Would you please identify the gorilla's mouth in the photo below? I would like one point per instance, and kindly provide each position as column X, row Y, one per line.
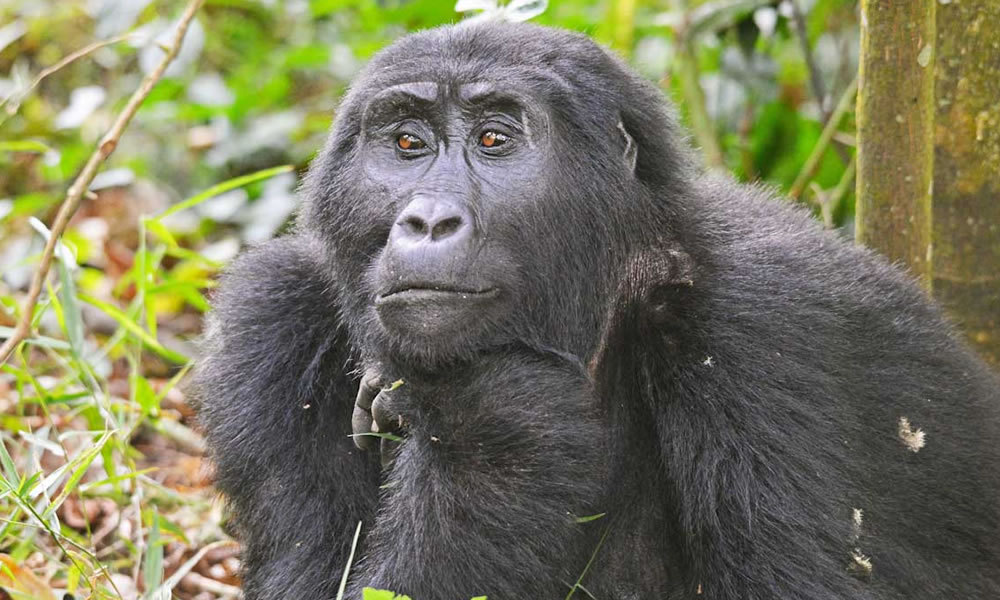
column 436, row 312
column 411, row 293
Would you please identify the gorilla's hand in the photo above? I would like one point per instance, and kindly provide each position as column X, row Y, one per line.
column 375, row 415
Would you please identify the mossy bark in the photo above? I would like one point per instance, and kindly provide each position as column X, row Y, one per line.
column 895, row 131
column 967, row 169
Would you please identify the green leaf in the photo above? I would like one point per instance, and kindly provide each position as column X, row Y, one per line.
column 79, row 466
column 40, row 340
column 134, row 329
column 116, row 479
column 173, row 529
column 72, row 317
column 152, row 568
column 373, row 594
column 9, row 470
column 160, row 230
column 225, row 186
column 143, row 395
column 590, row 518
column 24, row 146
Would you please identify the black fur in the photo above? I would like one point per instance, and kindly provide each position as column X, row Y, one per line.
column 762, row 409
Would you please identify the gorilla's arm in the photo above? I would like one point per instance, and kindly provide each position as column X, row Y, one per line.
column 500, row 460
column 275, row 405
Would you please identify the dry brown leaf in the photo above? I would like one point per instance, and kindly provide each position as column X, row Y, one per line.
column 23, row 581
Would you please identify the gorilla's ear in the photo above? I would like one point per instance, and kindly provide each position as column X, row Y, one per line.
column 631, row 153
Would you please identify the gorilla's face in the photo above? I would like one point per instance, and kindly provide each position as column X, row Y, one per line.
column 461, row 167
column 478, row 190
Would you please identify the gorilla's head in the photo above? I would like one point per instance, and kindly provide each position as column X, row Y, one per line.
column 484, row 185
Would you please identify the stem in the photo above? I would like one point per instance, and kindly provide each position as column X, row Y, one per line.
column 812, row 163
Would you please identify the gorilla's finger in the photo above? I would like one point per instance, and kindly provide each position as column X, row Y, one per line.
column 383, row 414
column 361, row 423
column 370, row 386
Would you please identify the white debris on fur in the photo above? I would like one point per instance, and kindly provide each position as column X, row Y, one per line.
column 861, row 562
column 913, row 439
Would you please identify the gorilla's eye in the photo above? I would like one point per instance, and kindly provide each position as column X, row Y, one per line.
column 492, row 139
column 409, row 142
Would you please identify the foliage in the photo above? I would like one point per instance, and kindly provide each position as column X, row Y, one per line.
column 102, row 489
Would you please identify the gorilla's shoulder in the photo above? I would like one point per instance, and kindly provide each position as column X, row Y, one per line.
column 277, row 292
column 274, row 316
column 277, row 275
column 751, row 226
column 772, row 258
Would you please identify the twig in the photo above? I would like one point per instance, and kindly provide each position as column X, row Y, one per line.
column 829, row 200
column 204, row 583
column 815, row 77
column 843, row 185
column 685, row 68
column 212, row 586
column 68, row 59
column 104, row 149
column 686, row 65
column 846, row 101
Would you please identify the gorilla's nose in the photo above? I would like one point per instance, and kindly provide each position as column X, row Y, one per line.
column 429, row 224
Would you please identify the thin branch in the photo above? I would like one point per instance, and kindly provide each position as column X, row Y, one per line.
column 76, row 191
column 686, row 69
column 686, row 64
column 815, row 77
column 67, row 60
column 207, row 584
column 844, row 185
column 812, row 163
column 829, row 200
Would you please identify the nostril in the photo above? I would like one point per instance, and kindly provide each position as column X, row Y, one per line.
column 414, row 225
column 446, row 227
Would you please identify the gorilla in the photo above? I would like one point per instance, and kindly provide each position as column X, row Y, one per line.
column 535, row 351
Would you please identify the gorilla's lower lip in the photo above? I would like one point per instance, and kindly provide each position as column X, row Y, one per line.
column 434, row 313
column 427, row 294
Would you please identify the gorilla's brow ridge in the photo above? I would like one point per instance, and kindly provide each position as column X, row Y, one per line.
column 404, row 97
column 481, row 92
column 423, row 94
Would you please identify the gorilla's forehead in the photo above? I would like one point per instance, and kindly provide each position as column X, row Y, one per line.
column 465, row 55
column 428, row 93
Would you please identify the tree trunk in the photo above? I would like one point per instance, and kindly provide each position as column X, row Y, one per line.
column 967, row 169
column 895, row 131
